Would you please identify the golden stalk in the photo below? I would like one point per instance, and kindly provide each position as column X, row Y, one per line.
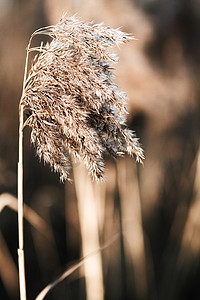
column 21, row 261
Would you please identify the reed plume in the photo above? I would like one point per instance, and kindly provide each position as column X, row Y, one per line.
column 75, row 108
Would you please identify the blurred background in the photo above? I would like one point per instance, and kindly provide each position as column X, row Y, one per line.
column 145, row 219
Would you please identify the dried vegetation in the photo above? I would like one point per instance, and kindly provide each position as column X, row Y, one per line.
column 75, row 107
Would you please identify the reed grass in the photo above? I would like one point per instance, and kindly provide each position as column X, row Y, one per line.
column 75, row 109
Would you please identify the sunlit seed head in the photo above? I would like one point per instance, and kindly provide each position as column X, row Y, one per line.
column 76, row 109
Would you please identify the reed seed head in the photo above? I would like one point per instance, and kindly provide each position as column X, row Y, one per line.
column 76, row 110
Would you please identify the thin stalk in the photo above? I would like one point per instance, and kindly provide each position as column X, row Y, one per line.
column 22, row 281
column 21, row 261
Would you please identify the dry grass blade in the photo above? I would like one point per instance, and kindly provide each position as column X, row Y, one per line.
column 30, row 215
column 76, row 110
column 70, row 270
column 8, row 269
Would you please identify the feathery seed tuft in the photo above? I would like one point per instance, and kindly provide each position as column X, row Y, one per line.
column 76, row 109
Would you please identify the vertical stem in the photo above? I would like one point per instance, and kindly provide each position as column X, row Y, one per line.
column 90, row 235
column 22, row 282
column 21, row 263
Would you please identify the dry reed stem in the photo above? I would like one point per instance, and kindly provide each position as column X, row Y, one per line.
column 132, row 223
column 21, row 263
column 190, row 243
column 88, row 218
column 22, row 281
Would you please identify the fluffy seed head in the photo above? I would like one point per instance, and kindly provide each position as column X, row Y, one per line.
column 76, row 110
